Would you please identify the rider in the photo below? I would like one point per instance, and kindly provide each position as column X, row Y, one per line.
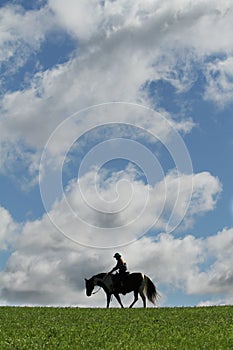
column 122, row 270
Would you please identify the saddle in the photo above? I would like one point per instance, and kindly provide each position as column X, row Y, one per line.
column 119, row 281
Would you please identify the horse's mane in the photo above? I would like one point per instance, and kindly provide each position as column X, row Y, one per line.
column 101, row 275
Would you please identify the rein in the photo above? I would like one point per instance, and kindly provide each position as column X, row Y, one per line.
column 100, row 286
column 96, row 291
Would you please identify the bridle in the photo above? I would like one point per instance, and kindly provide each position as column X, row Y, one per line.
column 100, row 286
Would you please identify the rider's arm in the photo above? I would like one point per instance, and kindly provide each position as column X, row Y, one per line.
column 114, row 268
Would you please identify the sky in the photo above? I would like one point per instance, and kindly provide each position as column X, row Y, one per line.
column 116, row 136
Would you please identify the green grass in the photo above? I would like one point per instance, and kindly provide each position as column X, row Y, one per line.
column 70, row 328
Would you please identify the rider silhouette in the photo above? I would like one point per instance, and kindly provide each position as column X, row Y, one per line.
column 122, row 270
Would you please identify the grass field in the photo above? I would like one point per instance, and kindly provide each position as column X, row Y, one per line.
column 74, row 328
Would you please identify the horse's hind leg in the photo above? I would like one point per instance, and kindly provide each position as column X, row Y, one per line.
column 135, row 298
column 108, row 299
column 143, row 298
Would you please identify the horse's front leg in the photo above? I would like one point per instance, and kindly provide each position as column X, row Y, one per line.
column 117, row 296
column 108, row 299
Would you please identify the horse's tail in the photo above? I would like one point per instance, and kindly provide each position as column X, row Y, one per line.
column 151, row 291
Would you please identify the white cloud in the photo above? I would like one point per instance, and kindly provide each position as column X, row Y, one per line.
column 8, row 229
column 206, row 191
column 194, row 266
column 133, row 43
column 227, row 300
column 81, row 18
column 121, row 45
column 168, row 260
column 218, row 277
column 48, row 268
column 155, row 21
column 22, row 32
column 219, row 81
column 125, row 208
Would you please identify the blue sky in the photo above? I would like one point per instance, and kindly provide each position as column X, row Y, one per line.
column 116, row 134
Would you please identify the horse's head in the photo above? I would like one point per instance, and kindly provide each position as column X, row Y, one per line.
column 89, row 286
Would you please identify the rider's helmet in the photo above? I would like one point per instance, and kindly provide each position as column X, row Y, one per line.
column 117, row 255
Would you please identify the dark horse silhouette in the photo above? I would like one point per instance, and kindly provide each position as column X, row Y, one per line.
column 135, row 282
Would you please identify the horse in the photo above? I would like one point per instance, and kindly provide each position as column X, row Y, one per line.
column 135, row 282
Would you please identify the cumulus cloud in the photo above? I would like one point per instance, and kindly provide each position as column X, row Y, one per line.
column 219, row 81
column 142, row 42
column 52, row 274
column 196, row 266
column 48, row 268
column 227, row 300
column 122, row 202
column 217, row 279
column 8, row 229
column 22, row 32
column 121, row 47
column 155, row 21
column 82, row 19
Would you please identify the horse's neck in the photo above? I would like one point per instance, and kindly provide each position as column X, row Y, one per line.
column 103, row 280
column 99, row 278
